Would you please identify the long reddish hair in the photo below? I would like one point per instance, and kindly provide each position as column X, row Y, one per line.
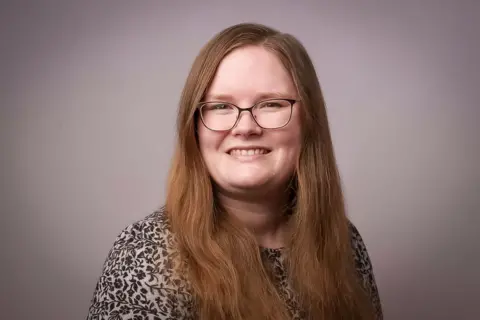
column 221, row 259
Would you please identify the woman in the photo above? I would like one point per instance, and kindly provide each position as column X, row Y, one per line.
column 254, row 225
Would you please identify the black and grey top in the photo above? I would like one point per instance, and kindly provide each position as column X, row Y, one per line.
column 138, row 282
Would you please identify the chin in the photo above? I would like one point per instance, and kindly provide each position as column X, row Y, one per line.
column 250, row 186
column 247, row 184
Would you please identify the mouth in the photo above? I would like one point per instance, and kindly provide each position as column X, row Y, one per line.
column 253, row 152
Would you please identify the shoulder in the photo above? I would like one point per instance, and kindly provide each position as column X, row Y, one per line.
column 362, row 258
column 364, row 268
column 145, row 244
column 138, row 278
column 154, row 229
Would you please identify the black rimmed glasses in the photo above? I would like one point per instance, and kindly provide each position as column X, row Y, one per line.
column 268, row 114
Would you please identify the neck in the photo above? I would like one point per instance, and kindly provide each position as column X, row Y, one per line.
column 265, row 217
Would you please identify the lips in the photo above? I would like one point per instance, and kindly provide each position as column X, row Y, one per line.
column 248, row 152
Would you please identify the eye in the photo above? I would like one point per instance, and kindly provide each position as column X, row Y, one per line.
column 218, row 106
column 215, row 106
column 272, row 104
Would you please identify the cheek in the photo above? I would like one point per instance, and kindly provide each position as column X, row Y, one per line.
column 209, row 141
column 296, row 134
column 293, row 138
column 294, row 152
column 291, row 143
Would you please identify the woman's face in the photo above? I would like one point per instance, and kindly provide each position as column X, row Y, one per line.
column 249, row 158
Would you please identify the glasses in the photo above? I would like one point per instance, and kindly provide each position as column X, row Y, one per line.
column 267, row 114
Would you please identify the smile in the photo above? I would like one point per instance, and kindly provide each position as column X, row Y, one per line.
column 248, row 152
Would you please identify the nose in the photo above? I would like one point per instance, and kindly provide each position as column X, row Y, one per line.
column 246, row 125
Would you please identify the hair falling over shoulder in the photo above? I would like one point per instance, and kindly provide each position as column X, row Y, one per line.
column 220, row 258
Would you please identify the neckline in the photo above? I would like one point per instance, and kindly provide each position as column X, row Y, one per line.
column 273, row 250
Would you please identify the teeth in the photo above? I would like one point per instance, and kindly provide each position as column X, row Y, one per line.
column 249, row 152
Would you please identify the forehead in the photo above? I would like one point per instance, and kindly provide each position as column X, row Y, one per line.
column 249, row 73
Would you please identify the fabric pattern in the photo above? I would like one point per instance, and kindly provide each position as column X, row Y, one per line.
column 138, row 281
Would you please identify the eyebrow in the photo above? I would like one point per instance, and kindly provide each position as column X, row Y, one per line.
column 257, row 97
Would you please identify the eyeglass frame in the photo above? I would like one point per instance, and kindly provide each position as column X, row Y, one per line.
column 292, row 102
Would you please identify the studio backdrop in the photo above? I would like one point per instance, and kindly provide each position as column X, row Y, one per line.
column 89, row 93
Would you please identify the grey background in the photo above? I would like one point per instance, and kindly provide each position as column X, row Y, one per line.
column 88, row 100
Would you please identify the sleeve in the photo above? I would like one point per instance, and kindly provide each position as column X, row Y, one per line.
column 136, row 281
column 364, row 269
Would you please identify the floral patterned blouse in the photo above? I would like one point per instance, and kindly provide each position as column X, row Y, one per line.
column 138, row 282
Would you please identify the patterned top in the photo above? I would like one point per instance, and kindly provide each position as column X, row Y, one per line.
column 138, row 282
